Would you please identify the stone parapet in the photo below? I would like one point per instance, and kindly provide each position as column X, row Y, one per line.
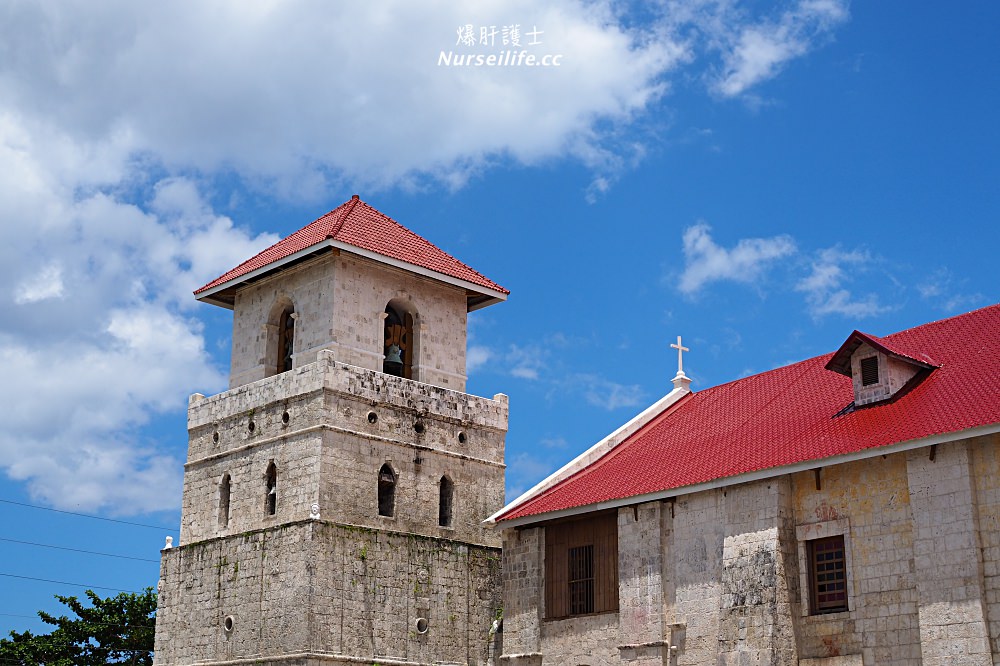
column 327, row 373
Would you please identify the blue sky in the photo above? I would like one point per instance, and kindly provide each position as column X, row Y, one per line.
column 759, row 178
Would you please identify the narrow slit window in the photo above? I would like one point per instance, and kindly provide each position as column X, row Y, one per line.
column 224, row 490
column 447, row 492
column 386, row 491
column 286, row 340
column 828, row 573
column 869, row 371
column 271, row 484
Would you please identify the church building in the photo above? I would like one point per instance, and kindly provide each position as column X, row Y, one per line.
column 839, row 511
column 335, row 496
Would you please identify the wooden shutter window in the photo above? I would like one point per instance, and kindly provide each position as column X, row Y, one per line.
column 869, row 371
column 581, row 566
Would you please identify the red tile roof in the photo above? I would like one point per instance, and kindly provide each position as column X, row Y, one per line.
column 357, row 224
column 792, row 415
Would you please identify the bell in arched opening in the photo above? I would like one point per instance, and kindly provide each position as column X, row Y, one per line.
column 398, row 348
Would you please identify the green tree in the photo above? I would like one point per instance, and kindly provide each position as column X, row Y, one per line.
column 116, row 630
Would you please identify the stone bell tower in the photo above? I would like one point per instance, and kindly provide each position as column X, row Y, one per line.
column 334, row 495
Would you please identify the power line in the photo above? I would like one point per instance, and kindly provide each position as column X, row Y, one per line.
column 63, row 582
column 102, row 624
column 78, row 550
column 87, row 515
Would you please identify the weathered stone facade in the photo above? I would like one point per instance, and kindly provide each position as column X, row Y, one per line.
column 339, row 301
column 720, row 576
column 285, row 556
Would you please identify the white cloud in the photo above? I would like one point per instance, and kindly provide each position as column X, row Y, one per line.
column 477, row 357
column 757, row 51
column 76, row 405
column 525, row 362
column 285, row 94
column 824, row 290
column 47, row 283
column 97, row 342
column 606, row 394
column 948, row 292
column 705, row 261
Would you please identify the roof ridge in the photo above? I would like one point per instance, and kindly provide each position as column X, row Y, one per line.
column 335, row 229
column 943, row 320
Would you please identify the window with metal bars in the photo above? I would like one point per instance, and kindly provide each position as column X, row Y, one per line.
column 869, row 371
column 581, row 566
column 828, row 575
column 581, row 579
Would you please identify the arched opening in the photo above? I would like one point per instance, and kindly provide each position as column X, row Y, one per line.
column 224, row 488
column 398, row 343
column 271, row 485
column 386, row 491
column 280, row 344
column 446, row 492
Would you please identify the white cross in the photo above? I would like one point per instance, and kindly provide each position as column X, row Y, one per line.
column 680, row 355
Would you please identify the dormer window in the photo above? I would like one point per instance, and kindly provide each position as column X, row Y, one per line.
column 869, row 371
column 878, row 370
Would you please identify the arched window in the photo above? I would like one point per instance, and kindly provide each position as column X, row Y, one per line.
column 271, row 484
column 286, row 340
column 446, row 497
column 398, row 343
column 224, row 487
column 279, row 345
column 386, row 491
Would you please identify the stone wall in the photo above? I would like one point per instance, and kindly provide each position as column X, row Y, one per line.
column 326, row 579
column 893, row 375
column 986, row 469
column 340, row 594
column 340, row 300
column 868, row 502
column 722, row 575
column 363, row 288
column 309, row 288
column 523, row 594
column 329, row 427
